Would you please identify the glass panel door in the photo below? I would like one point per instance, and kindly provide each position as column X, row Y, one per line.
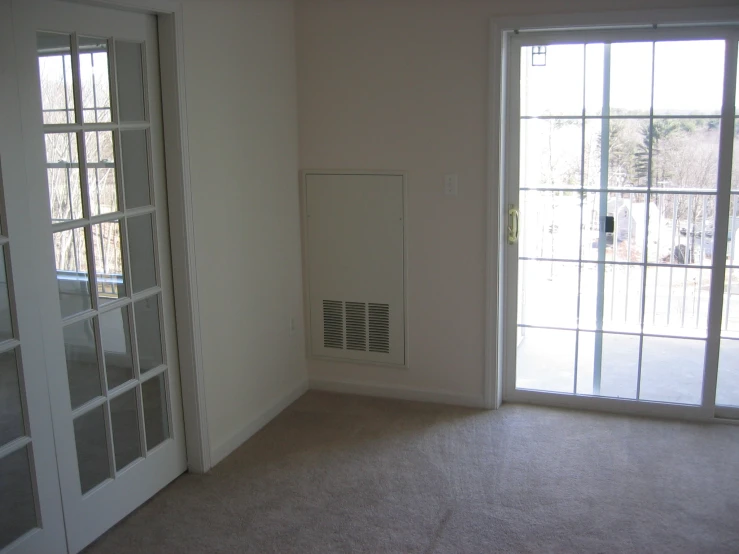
column 103, row 210
column 618, row 161
column 16, row 469
column 106, row 262
column 30, row 504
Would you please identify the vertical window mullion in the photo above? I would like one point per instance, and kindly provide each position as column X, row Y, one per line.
column 725, row 325
column 145, row 81
column 582, row 185
column 108, row 417
column 126, row 256
column 602, row 213
column 94, row 94
column 645, row 247
column 76, row 79
column 98, row 159
column 702, row 261
column 721, row 228
column 118, row 169
column 113, row 81
column 66, row 86
column 81, row 146
column 688, row 257
column 91, row 269
column 141, row 421
column 628, row 258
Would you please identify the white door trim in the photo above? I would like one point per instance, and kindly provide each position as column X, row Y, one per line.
column 501, row 29
column 182, row 232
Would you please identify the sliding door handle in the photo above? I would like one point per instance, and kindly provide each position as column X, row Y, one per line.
column 513, row 215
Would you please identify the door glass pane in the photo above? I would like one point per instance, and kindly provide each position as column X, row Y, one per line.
column 685, row 154
column 71, row 271
column 628, row 153
column 594, row 79
column 11, row 422
column 545, row 360
column 676, row 301
column 732, row 254
column 672, row 370
column 17, row 503
column 621, row 300
column 55, row 75
column 6, row 323
column 552, row 84
column 141, row 246
column 63, row 176
column 549, row 293
column 607, row 365
column 130, row 81
column 94, row 79
column 148, row 333
column 82, row 362
column 125, row 422
column 135, row 168
column 735, row 168
column 155, row 410
column 550, row 224
column 730, row 323
column 114, row 328
column 101, row 178
column 727, row 390
column 679, row 67
column 621, row 239
column 681, row 229
column 108, row 261
column 551, row 153
column 630, row 78
column 92, row 448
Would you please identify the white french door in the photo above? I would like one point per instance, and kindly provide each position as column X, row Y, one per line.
column 91, row 329
column 30, row 505
column 620, row 262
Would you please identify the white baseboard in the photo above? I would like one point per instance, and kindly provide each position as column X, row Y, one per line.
column 400, row 393
column 237, row 439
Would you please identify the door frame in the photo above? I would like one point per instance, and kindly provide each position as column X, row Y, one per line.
column 498, row 308
column 170, row 24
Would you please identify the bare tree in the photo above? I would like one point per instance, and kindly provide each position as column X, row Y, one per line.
column 63, row 151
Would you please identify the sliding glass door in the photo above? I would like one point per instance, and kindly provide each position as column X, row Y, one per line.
column 621, row 218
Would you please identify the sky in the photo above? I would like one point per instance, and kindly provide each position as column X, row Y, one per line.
column 688, row 78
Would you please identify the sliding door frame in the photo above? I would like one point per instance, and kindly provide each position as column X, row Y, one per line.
column 506, row 37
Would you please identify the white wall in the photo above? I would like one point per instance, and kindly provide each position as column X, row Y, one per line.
column 402, row 84
column 241, row 105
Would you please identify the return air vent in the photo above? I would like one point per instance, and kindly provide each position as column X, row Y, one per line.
column 355, row 266
column 379, row 328
column 333, row 324
column 357, row 321
column 356, row 326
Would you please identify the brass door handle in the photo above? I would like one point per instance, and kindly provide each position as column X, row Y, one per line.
column 513, row 215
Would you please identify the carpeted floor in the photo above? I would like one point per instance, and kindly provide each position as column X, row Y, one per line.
column 339, row 473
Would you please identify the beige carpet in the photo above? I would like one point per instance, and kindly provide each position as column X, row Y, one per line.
column 347, row 474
